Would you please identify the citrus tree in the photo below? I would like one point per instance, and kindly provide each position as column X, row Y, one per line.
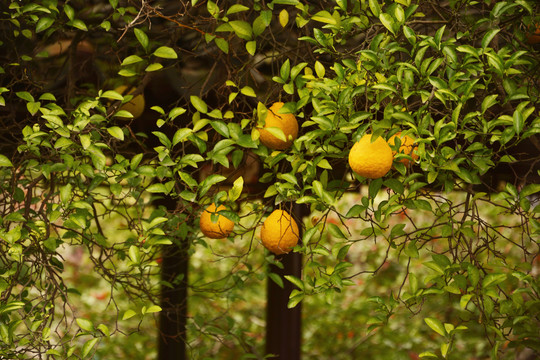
column 232, row 113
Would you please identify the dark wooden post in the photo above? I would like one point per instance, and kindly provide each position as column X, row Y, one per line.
column 174, row 293
column 283, row 325
column 174, row 300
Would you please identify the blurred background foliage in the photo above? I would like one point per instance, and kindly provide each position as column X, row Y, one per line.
column 436, row 260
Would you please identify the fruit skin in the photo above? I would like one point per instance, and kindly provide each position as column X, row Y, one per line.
column 221, row 229
column 534, row 37
column 279, row 232
column 135, row 106
column 371, row 159
column 286, row 122
column 407, row 147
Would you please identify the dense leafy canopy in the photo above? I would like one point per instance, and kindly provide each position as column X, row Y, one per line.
column 80, row 175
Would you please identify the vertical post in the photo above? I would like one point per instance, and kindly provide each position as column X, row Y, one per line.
column 174, row 293
column 172, row 319
column 283, row 325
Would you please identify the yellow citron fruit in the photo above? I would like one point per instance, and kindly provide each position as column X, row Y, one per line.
column 371, row 159
column 279, row 232
column 286, row 122
column 407, row 147
column 135, row 106
column 215, row 230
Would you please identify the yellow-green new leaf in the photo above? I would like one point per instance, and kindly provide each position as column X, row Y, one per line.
column 4, row 161
column 116, row 132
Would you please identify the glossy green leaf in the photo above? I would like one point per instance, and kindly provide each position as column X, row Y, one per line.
column 44, row 23
column 435, row 325
column 165, row 52
column 141, row 37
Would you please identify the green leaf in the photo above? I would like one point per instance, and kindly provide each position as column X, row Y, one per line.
column 251, row 47
column 286, row 2
column 132, row 59
column 153, row 67
column 411, row 250
column 222, row 44
column 490, row 34
column 207, row 183
column 78, row 24
column 220, row 127
column 44, row 23
column 277, row 279
column 127, row 72
column 324, row 17
column 4, row 161
column 375, row 7
column 493, row 280
column 116, row 132
column 283, row 17
column 181, row 135
column 388, row 21
column 319, row 69
column 33, row 107
column 134, row 254
column 65, row 193
column 308, row 235
column 529, row 190
column 128, row 314
column 70, row 13
column 88, row 346
column 104, row 329
column 259, row 25
column 242, row 29
column 25, row 95
column 428, row 354
column 295, row 299
column 335, row 231
column 85, row 324
column 518, row 121
column 153, row 309
column 142, row 37
column 435, row 325
column 165, row 52
column 157, row 188
column 464, row 300
column 199, row 104
column 488, row 102
column 111, row 94
column 285, row 70
column 236, row 8
column 236, row 190
column 296, row 281
column 248, row 91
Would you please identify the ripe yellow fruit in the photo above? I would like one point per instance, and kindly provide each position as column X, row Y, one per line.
column 407, row 147
column 215, row 230
column 279, row 232
column 371, row 159
column 135, row 106
column 286, row 122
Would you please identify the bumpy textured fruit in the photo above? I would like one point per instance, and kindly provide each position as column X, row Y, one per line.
column 407, row 147
column 135, row 106
column 215, row 230
column 279, row 232
column 286, row 122
column 371, row 159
